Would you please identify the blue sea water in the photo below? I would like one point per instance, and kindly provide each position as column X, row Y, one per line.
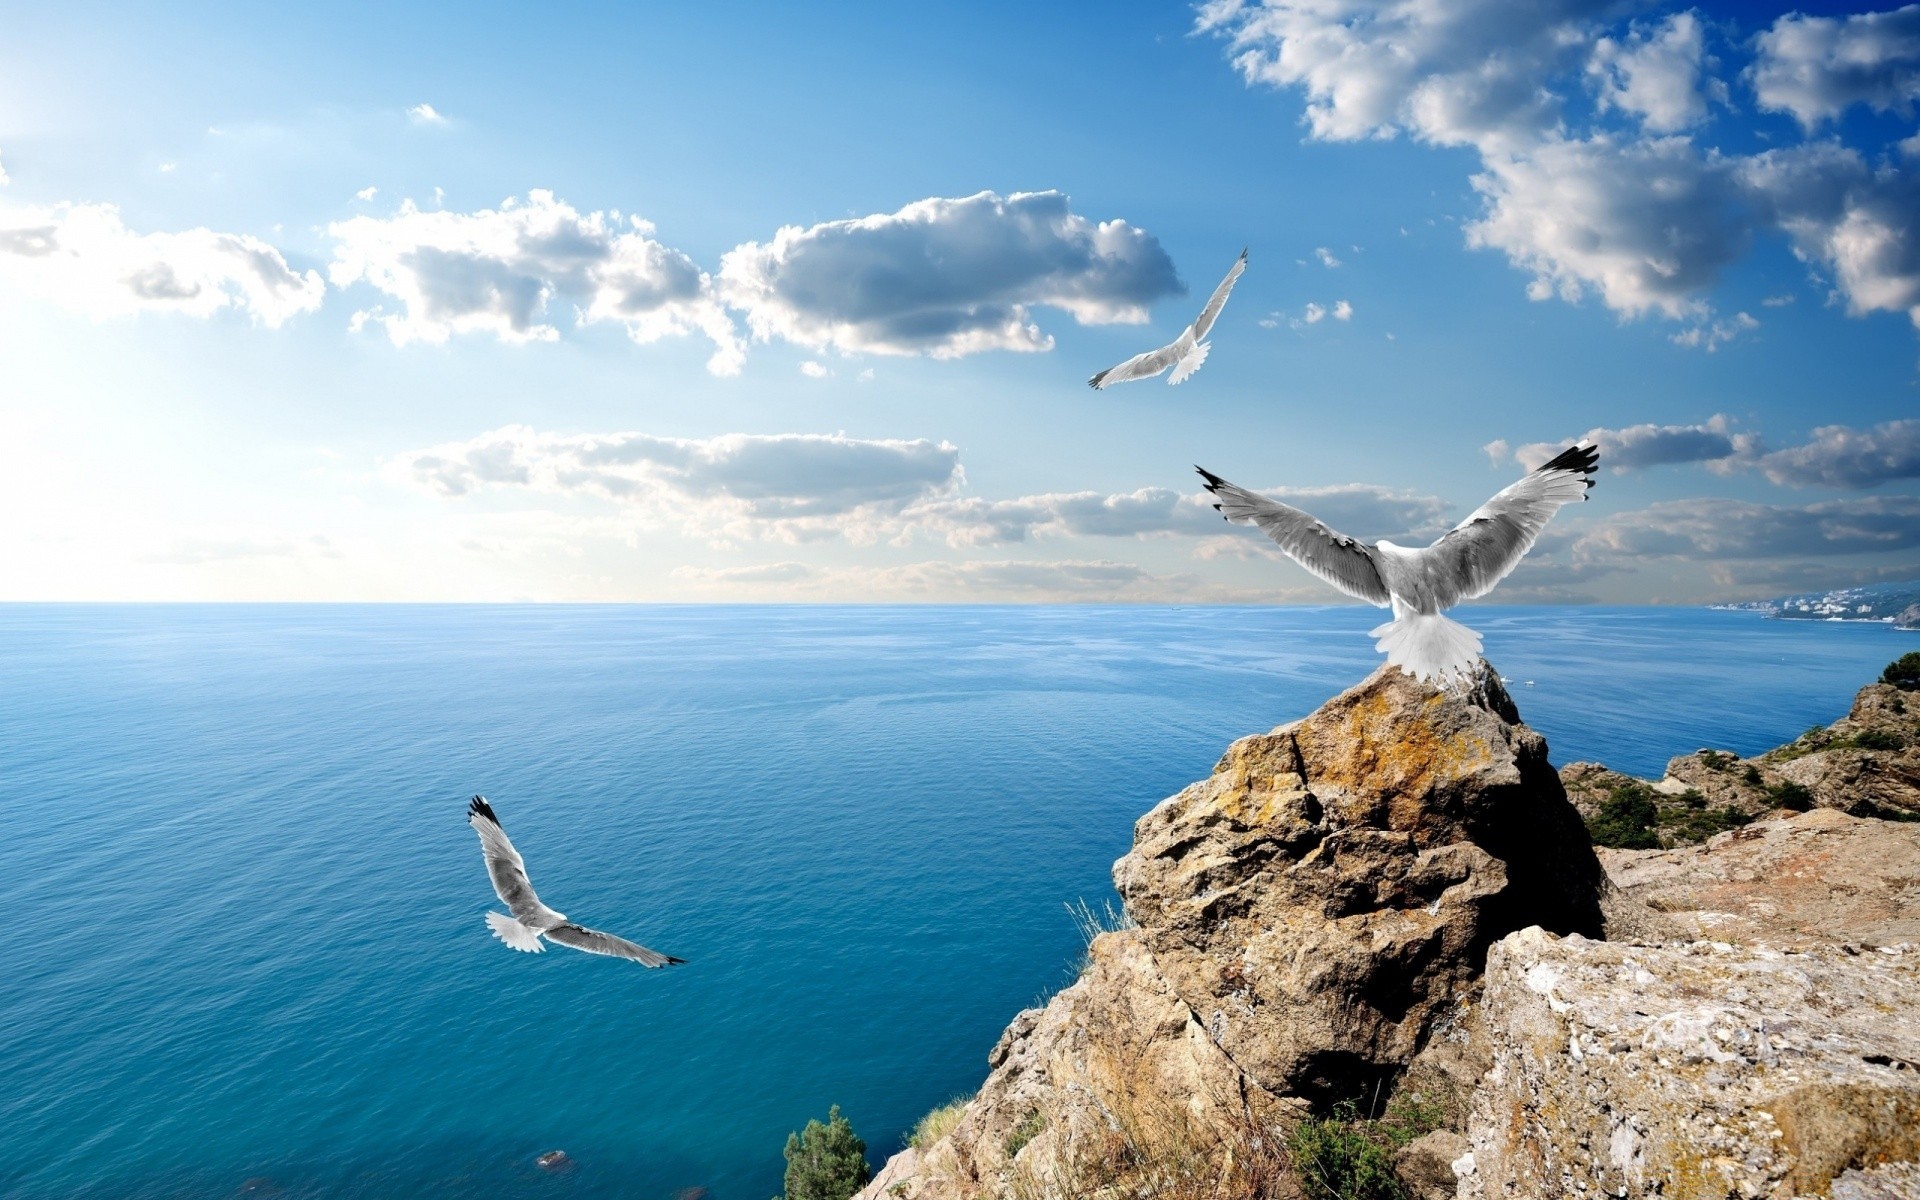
column 246, row 954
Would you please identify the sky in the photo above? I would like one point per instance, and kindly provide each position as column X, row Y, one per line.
column 718, row 303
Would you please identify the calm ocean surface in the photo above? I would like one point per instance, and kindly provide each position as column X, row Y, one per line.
column 248, row 955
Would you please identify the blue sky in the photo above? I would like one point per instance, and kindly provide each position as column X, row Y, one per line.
column 353, row 304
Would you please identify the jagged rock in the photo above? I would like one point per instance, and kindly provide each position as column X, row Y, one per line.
column 1425, row 1165
column 1307, row 917
column 1791, row 880
column 1696, row 1070
column 1867, row 763
column 1909, row 617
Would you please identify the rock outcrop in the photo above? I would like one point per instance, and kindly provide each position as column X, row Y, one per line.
column 1866, row 763
column 1791, row 880
column 1695, row 1072
column 1305, row 918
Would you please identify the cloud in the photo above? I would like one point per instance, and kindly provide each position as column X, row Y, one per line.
column 1647, row 224
column 1451, row 72
column 814, row 370
column 1712, row 334
column 1640, row 446
column 1701, row 529
column 946, row 277
column 1862, row 224
column 366, row 193
column 1818, row 67
column 780, row 572
column 1780, row 301
column 1342, row 311
column 196, row 551
column 1809, row 576
column 788, row 487
column 3, row 173
column 498, row 271
column 425, row 114
column 1841, row 457
column 84, row 257
column 1313, row 314
column 1326, row 257
column 1634, row 211
column 1655, row 73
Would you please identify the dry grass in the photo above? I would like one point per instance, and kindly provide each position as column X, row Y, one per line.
column 938, row 1123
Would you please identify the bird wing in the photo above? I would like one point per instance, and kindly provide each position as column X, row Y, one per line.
column 1340, row 560
column 1140, row 366
column 1483, row 549
column 1189, row 363
column 504, row 865
column 1203, row 324
column 595, row 942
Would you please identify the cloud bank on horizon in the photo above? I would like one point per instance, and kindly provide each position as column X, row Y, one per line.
column 1652, row 166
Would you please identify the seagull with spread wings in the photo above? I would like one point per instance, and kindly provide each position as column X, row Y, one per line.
column 532, row 920
column 1186, row 352
column 1419, row 583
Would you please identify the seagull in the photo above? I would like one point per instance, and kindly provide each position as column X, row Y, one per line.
column 1186, row 352
column 1419, row 583
column 532, row 920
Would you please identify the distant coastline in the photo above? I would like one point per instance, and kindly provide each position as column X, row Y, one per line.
column 1896, row 604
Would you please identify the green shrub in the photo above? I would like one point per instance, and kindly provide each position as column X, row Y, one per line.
column 1338, row 1157
column 826, row 1162
column 1626, row 819
column 1877, row 739
column 1788, row 794
column 1028, row 1129
column 1702, row 823
column 937, row 1124
column 1904, row 672
column 1718, row 760
column 1752, row 775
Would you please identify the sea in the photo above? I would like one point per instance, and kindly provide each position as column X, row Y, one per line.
column 244, row 952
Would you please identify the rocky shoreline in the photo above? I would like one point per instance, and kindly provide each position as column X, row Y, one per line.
column 1392, row 906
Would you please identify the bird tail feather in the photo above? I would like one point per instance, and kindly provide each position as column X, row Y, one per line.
column 1428, row 646
column 1190, row 363
column 514, row 934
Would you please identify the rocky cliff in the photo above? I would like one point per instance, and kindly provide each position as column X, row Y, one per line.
column 1866, row 763
column 1305, row 918
column 1393, row 899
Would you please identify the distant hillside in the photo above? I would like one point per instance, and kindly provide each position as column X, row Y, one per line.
column 1874, row 602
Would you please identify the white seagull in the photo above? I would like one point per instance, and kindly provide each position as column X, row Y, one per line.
column 532, row 920
column 1186, row 352
column 1419, row 583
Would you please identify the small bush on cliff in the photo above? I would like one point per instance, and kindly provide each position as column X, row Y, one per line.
column 1341, row 1157
column 826, row 1162
column 1790, row 795
column 937, row 1124
column 1626, row 819
column 1904, row 672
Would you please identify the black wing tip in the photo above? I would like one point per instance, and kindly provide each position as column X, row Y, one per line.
column 478, row 807
column 1581, row 460
column 1243, row 254
column 1094, row 382
column 674, row 962
column 1214, row 482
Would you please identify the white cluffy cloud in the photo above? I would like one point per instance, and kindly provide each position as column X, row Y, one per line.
column 1818, row 67
column 425, row 114
column 84, row 257
column 1838, row 456
column 787, row 487
column 1655, row 72
column 500, row 271
column 1622, row 203
column 946, row 277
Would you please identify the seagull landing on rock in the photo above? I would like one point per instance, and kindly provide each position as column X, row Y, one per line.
column 532, row 920
column 1473, row 556
column 1186, row 352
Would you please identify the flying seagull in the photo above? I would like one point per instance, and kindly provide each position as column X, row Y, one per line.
column 532, row 920
column 1419, row 583
column 1186, row 352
